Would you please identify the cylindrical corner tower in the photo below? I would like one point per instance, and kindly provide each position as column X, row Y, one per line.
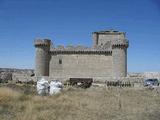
column 119, row 54
column 42, row 57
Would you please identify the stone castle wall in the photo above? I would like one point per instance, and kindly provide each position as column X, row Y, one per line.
column 80, row 66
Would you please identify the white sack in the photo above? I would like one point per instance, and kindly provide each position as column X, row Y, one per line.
column 55, row 87
column 42, row 87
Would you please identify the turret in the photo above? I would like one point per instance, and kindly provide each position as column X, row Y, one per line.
column 119, row 54
column 42, row 57
column 104, row 38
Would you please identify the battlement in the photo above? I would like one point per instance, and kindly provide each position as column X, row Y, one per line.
column 78, row 48
column 109, row 32
column 70, row 48
column 42, row 42
column 60, row 49
column 81, row 52
column 121, row 43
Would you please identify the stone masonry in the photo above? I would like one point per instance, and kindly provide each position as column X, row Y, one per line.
column 107, row 58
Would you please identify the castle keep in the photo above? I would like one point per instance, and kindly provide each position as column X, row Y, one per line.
column 107, row 58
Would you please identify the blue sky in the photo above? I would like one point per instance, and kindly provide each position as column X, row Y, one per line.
column 73, row 21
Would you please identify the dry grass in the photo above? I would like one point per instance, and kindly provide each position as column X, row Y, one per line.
column 7, row 95
column 79, row 104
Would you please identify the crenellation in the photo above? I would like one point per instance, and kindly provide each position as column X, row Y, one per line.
column 120, row 42
column 109, row 32
column 82, row 52
column 80, row 48
column 42, row 42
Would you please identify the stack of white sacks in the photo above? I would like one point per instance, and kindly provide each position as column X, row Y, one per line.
column 44, row 88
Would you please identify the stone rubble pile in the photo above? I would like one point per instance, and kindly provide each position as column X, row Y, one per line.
column 16, row 75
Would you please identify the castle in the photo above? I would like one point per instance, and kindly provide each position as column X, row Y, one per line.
column 107, row 58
